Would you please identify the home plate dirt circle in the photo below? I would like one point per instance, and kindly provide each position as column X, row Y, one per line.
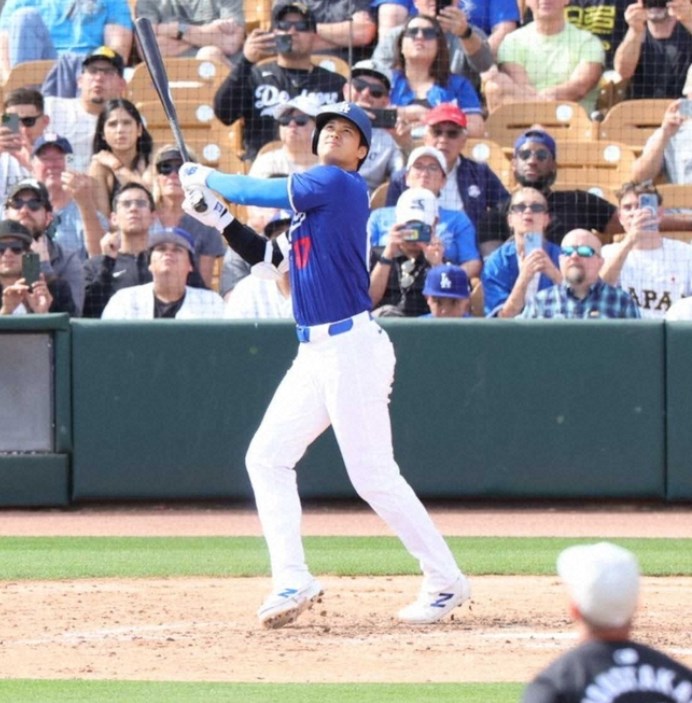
column 206, row 628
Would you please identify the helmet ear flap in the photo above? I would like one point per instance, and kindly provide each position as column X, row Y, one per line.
column 315, row 139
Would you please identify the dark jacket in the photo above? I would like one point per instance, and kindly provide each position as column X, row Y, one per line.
column 479, row 188
column 253, row 91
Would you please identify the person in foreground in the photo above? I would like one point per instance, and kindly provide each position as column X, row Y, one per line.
column 171, row 260
column 344, row 369
column 582, row 294
column 602, row 582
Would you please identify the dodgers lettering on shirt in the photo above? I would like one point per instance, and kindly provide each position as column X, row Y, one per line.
column 328, row 259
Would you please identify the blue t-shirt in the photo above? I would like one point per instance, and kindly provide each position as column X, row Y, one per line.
column 454, row 229
column 74, row 26
column 329, row 247
column 481, row 13
column 458, row 91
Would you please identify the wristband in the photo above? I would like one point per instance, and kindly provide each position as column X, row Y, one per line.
column 384, row 260
column 466, row 34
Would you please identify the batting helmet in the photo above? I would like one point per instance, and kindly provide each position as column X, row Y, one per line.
column 347, row 111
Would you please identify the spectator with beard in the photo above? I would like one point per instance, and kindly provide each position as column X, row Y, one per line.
column 75, row 118
column 534, row 165
column 253, row 91
column 582, row 295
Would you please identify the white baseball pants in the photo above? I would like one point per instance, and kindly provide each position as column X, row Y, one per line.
column 345, row 381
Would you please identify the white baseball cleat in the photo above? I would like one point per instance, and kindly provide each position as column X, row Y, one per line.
column 432, row 606
column 283, row 607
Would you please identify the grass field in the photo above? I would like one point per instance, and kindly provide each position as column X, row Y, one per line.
column 49, row 558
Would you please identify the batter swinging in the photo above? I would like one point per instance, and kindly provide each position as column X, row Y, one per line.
column 343, row 371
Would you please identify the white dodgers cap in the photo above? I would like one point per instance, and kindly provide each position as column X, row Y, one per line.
column 416, row 205
column 603, row 582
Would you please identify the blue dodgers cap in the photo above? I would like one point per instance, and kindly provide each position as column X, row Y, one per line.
column 447, row 281
column 52, row 139
column 172, row 235
column 346, row 111
column 540, row 137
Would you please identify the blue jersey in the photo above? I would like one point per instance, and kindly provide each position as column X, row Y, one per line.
column 329, row 248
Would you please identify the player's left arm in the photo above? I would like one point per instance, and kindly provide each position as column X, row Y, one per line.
column 268, row 259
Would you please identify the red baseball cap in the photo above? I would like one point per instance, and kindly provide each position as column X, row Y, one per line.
column 446, row 112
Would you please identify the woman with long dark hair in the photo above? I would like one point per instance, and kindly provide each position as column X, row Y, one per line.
column 422, row 77
column 121, row 151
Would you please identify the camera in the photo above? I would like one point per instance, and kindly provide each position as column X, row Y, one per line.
column 385, row 118
column 417, row 232
column 31, row 268
column 532, row 241
column 655, row 4
column 440, row 5
column 649, row 201
column 11, row 120
column 284, row 43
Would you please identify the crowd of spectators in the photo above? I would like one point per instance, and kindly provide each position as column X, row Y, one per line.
column 81, row 173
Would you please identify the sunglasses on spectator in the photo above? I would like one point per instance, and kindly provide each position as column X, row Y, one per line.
column 584, row 251
column 137, row 202
column 298, row 25
column 540, row 154
column 533, row 207
column 34, row 204
column 450, row 133
column 427, row 33
column 14, row 248
column 165, row 168
column 26, row 121
column 376, row 90
column 300, row 120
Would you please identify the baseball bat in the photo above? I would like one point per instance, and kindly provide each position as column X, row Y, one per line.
column 149, row 49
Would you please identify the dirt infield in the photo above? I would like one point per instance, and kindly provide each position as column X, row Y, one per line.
column 205, row 629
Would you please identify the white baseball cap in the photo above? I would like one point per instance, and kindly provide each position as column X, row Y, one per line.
column 416, row 205
column 602, row 581
column 305, row 104
column 427, row 151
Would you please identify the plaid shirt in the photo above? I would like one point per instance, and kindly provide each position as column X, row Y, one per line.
column 601, row 301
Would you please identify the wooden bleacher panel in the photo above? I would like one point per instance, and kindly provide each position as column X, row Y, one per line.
column 562, row 119
column 491, row 153
column 599, row 164
column 29, row 74
column 332, row 63
column 257, row 13
column 632, row 122
column 189, row 79
column 477, row 301
column 196, row 120
column 270, row 146
column 676, row 196
column 378, row 196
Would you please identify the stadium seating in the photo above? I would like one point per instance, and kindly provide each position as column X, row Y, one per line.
column 564, row 120
column 632, row 122
column 189, row 79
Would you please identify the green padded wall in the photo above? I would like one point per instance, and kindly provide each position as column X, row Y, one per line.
column 678, row 409
column 480, row 408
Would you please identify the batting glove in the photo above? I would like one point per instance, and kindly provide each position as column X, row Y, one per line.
column 192, row 174
column 215, row 214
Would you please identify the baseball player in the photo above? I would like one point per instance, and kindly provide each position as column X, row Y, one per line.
column 343, row 371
